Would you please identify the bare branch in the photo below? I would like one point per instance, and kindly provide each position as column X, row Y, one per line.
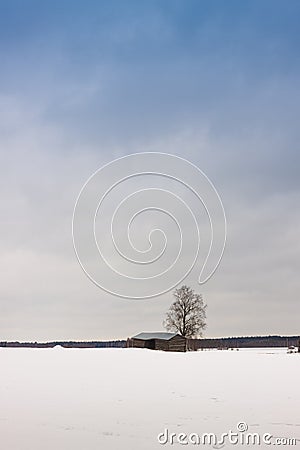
column 187, row 313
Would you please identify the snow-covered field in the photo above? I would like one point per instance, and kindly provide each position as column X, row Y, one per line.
column 111, row 399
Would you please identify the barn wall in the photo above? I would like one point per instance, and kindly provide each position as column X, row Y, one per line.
column 161, row 345
column 137, row 343
column 177, row 344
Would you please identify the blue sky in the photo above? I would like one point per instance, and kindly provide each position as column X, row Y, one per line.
column 84, row 82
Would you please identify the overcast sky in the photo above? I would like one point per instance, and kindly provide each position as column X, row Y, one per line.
column 85, row 82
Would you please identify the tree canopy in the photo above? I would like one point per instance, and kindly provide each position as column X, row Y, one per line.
column 187, row 314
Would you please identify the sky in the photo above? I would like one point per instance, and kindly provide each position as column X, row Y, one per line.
column 84, row 83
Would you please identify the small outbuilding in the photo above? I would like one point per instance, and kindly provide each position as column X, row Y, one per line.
column 170, row 342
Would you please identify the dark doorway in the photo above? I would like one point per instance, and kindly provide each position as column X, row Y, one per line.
column 150, row 344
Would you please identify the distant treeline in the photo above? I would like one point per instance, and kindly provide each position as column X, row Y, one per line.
column 194, row 344
column 66, row 344
column 247, row 342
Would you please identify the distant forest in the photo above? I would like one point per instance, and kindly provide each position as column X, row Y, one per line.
column 195, row 344
column 249, row 341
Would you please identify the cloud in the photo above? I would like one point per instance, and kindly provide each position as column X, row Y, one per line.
column 83, row 86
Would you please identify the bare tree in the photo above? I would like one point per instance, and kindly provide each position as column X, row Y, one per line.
column 187, row 314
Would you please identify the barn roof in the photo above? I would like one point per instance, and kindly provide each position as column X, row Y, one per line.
column 147, row 336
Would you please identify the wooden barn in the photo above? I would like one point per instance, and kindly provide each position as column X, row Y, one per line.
column 169, row 342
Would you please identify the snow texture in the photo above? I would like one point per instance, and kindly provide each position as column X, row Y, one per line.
column 121, row 399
